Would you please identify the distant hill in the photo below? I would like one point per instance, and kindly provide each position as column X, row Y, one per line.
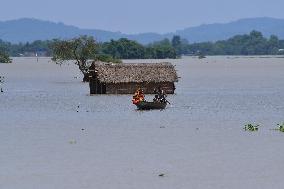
column 27, row 30
column 214, row 32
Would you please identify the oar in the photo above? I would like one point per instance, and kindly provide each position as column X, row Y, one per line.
column 168, row 101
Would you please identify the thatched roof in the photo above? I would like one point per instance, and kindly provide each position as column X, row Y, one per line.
column 135, row 72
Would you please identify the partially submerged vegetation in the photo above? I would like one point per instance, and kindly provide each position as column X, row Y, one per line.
column 117, row 49
column 81, row 50
column 38, row 47
column 128, row 49
column 281, row 127
column 253, row 43
column 248, row 44
column 4, row 57
column 251, row 127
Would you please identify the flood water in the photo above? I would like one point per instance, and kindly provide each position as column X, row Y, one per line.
column 196, row 142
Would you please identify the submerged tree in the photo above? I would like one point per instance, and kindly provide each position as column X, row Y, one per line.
column 79, row 49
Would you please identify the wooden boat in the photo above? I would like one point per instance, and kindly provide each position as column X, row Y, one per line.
column 144, row 105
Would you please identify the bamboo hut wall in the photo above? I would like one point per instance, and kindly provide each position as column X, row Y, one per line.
column 130, row 88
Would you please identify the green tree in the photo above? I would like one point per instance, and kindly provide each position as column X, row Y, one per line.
column 79, row 49
column 249, row 44
column 124, row 49
column 273, row 45
column 177, row 44
column 161, row 50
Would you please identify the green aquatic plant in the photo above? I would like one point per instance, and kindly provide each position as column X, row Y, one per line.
column 251, row 127
column 72, row 142
column 4, row 57
column 281, row 127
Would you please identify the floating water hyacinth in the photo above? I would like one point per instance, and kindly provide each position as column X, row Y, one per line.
column 72, row 142
column 281, row 127
column 251, row 127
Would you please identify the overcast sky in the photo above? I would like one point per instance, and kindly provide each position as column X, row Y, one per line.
column 135, row 16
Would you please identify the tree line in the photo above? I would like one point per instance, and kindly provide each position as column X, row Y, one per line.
column 253, row 43
column 249, row 44
column 117, row 49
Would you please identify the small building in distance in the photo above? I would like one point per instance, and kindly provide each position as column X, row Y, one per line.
column 125, row 78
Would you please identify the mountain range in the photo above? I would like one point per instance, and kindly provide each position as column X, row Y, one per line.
column 30, row 29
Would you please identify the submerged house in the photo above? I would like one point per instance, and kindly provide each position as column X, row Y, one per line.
column 125, row 78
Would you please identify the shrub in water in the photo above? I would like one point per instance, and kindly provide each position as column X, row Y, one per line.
column 4, row 58
column 281, row 127
column 251, row 127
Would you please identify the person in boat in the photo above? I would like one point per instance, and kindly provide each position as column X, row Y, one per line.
column 138, row 96
column 155, row 99
column 160, row 96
